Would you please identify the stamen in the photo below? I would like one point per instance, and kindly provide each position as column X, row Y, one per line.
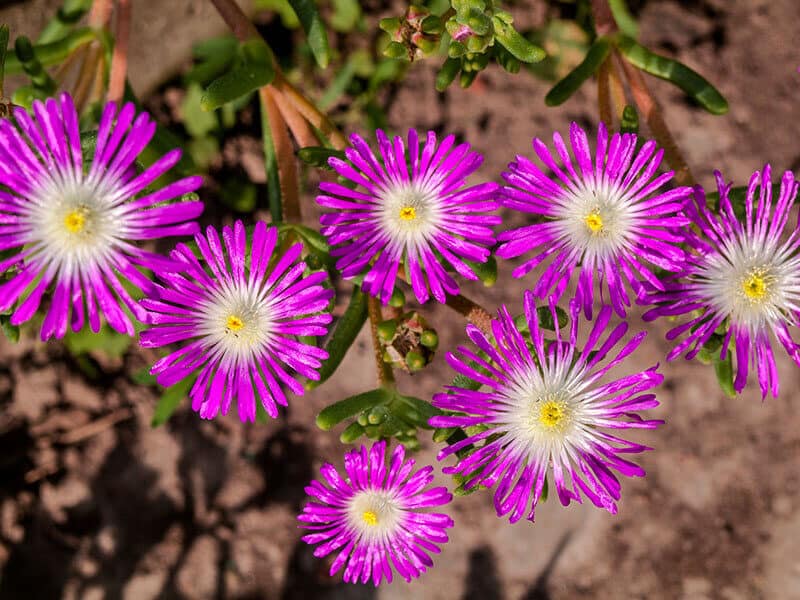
column 370, row 518
column 76, row 220
column 552, row 413
column 755, row 286
column 408, row 213
column 594, row 222
column 234, row 323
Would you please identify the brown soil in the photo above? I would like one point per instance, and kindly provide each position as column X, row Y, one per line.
column 96, row 504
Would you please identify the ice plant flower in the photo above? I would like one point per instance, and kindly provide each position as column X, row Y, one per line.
column 374, row 517
column 606, row 217
column 237, row 321
column 546, row 407
column 743, row 277
column 413, row 211
column 74, row 225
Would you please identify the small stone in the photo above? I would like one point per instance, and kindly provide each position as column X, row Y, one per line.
column 144, row 587
column 79, row 394
column 782, row 506
column 198, row 576
column 35, row 390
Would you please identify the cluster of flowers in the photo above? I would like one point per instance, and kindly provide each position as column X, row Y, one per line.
column 238, row 305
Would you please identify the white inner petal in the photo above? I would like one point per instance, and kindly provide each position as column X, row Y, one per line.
column 410, row 213
column 74, row 223
column 755, row 282
column 545, row 415
column 375, row 514
column 236, row 322
column 596, row 218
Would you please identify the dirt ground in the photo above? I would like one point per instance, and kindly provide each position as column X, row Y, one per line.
column 96, row 504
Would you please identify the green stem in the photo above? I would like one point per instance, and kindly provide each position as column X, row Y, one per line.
column 385, row 373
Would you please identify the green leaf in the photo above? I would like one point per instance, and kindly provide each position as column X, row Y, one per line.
column 53, row 53
column 143, row 377
column 283, row 8
column 546, row 317
column 197, row 121
column 447, row 73
column 351, row 433
column 308, row 14
column 170, row 400
column 346, row 15
column 486, row 271
column 271, row 166
column 65, row 19
column 630, row 120
column 106, row 340
column 254, row 70
column 338, row 85
column 349, row 407
column 239, row 195
column 414, row 411
column 11, row 331
column 694, row 85
column 214, row 56
column 317, row 156
column 515, row 43
column 561, row 91
column 724, row 372
column 344, row 334
column 625, row 21
column 3, row 51
column 40, row 78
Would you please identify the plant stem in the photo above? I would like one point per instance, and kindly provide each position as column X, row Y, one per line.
column 244, row 30
column 474, row 312
column 604, row 93
column 100, row 14
column 119, row 60
column 285, row 154
column 385, row 373
column 655, row 121
column 603, row 18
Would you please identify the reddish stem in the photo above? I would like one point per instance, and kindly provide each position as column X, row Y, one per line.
column 119, row 60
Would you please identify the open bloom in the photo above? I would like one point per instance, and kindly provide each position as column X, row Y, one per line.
column 237, row 321
column 606, row 217
column 374, row 517
column 743, row 275
column 74, row 225
column 544, row 408
column 413, row 210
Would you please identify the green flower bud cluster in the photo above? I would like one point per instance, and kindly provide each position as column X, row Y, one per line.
column 417, row 34
column 475, row 33
column 408, row 342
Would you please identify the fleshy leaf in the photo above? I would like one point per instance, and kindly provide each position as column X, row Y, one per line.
column 693, row 84
column 561, row 91
column 316, row 35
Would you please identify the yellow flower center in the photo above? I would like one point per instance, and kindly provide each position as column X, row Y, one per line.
column 594, row 222
column 552, row 413
column 408, row 213
column 370, row 518
column 76, row 220
column 234, row 323
column 755, row 287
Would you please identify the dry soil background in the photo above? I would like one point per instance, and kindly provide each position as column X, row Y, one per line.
column 205, row 510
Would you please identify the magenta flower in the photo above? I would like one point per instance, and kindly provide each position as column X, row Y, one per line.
column 74, row 226
column 413, row 211
column 238, row 321
column 373, row 518
column 741, row 276
column 546, row 408
column 607, row 218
